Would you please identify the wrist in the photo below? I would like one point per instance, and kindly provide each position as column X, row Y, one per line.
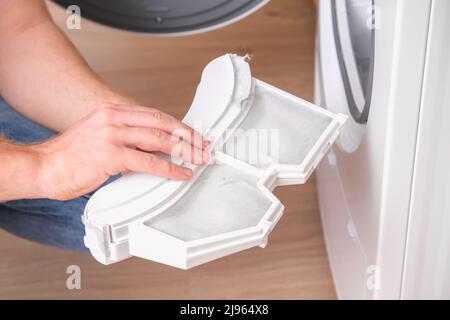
column 37, row 166
column 47, row 172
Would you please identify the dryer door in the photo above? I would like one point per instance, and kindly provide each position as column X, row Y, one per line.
column 354, row 35
column 165, row 16
column 348, row 46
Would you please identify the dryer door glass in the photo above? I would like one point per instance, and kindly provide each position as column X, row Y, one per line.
column 354, row 25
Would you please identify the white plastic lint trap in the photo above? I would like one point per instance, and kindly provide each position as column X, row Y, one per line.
column 228, row 205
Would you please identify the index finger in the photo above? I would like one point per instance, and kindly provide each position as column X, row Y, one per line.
column 140, row 116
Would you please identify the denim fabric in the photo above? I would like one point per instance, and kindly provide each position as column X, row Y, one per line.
column 51, row 222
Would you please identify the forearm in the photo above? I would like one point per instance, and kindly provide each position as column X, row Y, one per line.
column 20, row 169
column 42, row 75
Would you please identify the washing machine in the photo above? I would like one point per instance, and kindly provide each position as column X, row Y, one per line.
column 384, row 187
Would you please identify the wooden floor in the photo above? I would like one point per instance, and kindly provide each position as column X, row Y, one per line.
column 164, row 72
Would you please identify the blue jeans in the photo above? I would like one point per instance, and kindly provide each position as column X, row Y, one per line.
column 51, row 222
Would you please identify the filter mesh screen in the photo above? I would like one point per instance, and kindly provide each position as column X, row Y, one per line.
column 285, row 131
column 223, row 199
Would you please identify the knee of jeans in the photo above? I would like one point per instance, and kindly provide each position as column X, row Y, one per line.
column 63, row 232
column 19, row 128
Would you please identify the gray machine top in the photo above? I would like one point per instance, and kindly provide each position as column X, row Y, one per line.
column 163, row 16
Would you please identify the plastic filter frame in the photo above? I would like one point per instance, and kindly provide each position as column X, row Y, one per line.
column 228, row 205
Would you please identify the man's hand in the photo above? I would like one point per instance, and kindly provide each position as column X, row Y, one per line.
column 115, row 139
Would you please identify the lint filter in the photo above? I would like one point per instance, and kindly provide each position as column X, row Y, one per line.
column 228, row 205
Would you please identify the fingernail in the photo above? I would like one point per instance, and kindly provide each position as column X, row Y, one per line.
column 206, row 143
column 187, row 172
